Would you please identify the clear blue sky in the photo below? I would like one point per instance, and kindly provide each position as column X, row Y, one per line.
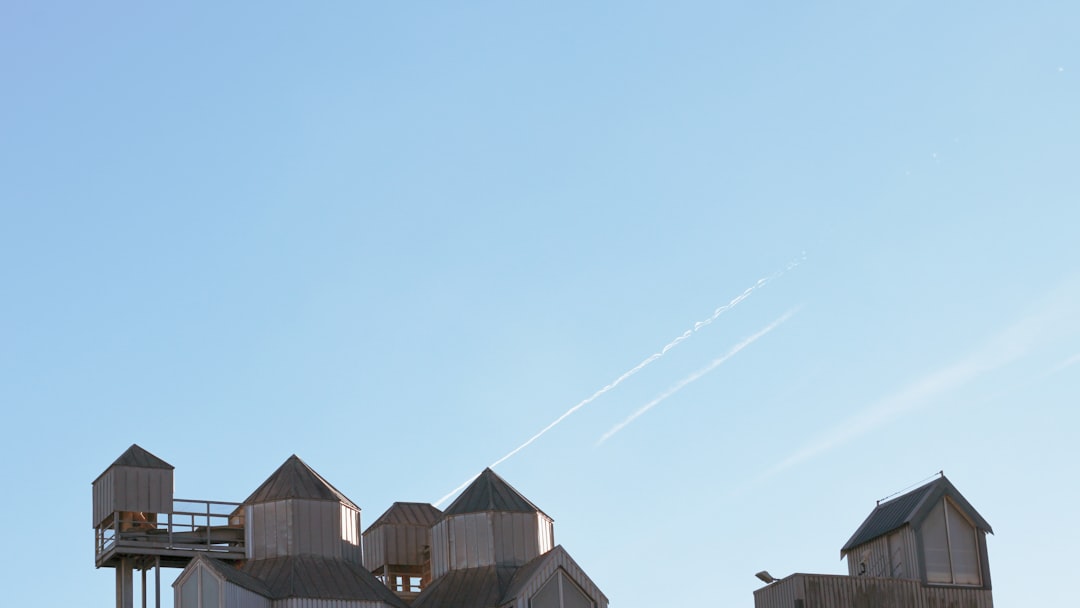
column 398, row 239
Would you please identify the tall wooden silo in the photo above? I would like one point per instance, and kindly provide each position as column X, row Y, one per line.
column 397, row 547
column 489, row 524
column 297, row 512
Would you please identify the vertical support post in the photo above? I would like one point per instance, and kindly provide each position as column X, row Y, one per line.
column 125, row 585
column 157, row 581
column 144, row 585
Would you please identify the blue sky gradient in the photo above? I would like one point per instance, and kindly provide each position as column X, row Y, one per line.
column 399, row 239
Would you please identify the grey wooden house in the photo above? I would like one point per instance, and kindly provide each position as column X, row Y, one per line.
column 925, row 548
column 296, row 542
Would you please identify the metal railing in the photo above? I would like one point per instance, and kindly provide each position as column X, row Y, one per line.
column 192, row 525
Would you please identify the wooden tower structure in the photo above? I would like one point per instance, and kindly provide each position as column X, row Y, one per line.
column 295, row 542
column 139, row 525
column 397, row 547
column 926, row 547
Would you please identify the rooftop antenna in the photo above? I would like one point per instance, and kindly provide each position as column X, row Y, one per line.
column 940, row 473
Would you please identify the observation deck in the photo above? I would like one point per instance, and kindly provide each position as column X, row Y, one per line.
column 173, row 538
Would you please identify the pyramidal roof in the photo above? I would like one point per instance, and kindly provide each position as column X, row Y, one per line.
column 135, row 456
column 911, row 508
column 318, row 578
column 489, row 492
column 295, row 479
column 410, row 514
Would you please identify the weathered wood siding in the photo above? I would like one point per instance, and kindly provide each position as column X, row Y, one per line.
column 892, row 555
column 440, row 550
column 238, row 597
column 121, row 488
column 400, row 544
column 831, row 591
column 473, row 540
column 302, row 527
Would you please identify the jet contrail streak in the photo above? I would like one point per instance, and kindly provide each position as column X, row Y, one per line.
column 696, row 375
column 663, row 351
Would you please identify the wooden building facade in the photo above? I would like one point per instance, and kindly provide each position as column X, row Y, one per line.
column 923, row 549
column 296, row 542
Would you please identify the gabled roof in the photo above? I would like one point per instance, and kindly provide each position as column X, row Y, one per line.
column 489, row 492
column 234, row 575
column 467, row 588
column 409, row 514
column 311, row 577
column 495, row 586
column 546, row 565
column 911, row 508
column 135, row 456
column 295, row 479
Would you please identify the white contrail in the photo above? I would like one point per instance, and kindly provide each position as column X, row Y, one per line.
column 1052, row 318
column 663, row 351
column 696, row 375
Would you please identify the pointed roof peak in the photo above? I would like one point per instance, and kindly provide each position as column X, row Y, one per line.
column 409, row 514
column 136, row 456
column 489, row 492
column 295, row 479
column 911, row 508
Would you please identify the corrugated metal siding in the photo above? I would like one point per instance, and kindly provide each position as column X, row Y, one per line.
column 830, row 591
column 303, row 527
column 122, row 488
column 238, row 597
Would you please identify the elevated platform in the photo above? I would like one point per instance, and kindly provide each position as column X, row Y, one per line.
column 171, row 539
column 838, row 591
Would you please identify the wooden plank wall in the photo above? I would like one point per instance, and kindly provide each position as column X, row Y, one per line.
column 401, row 544
column 472, row 540
column 781, row 594
column 830, row 591
column 238, row 597
column 440, row 549
column 132, row 489
column 877, row 554
column 302, row 527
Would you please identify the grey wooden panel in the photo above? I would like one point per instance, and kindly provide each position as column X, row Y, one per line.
column 374, row 548
column 831, row 591
column 560, row 560
column 238, row 597
column 546, row 529
column 104, row 496
column 472, row 540
column 440, row 550
column 349, row 537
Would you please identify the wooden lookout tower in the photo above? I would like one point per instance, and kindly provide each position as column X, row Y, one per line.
column 139, row 525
